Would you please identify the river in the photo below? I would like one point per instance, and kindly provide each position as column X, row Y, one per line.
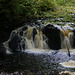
column 41, row 46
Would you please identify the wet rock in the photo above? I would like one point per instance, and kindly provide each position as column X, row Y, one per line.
column 16, row 42
column 34, row 33
column 22, row 29
column 53, row 34
column 66, row 73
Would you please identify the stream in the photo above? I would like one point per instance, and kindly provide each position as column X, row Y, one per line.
column 33, row 48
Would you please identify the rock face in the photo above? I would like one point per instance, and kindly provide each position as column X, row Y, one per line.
column 53, row 35
column 16, row 41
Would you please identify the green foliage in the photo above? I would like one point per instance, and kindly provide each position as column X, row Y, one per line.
column 14, row 9
column 9, row 8
column 45, row 5
column 25, row 8
column 62, row 2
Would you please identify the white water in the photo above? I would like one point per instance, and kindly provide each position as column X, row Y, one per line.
column 38, row 51
column 29, row 39
column 71, row 38
column 38, row 42
column 69, row 64
column 68, row 38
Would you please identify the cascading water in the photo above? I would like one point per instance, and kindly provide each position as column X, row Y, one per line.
column 38, row 45
column 32, row 38
column 71, row 38
column 65, row 40
column 39, row 41
column 29, row 39
column 66, row 37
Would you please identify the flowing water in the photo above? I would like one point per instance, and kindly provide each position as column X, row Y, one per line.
column 35, row 51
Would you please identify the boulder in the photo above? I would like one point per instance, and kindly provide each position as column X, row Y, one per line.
column 66, row 73
column 16, row 42
column 34, row 33
column 22, row 29
column 53, row 35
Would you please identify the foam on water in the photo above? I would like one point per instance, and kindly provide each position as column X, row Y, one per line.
column 69, row 64
column 38, row 51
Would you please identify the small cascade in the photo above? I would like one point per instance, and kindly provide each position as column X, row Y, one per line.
column 39, row 41
column 48, row 37
column 71, row 38
column 23, row 38
column 66, row 39
column 29, row 38
column 62, row 36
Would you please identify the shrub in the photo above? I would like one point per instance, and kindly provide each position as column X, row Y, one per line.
column 13, row 9
column 45, row 5
column 62, row 2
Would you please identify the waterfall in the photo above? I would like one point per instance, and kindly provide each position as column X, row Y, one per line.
column 29, row 38
column 62, row 36
column 71, row 38
column 39, row 38
column 39, row 41
column 23, row 38
column 68, row 37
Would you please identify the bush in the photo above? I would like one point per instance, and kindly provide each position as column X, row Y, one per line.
column 15, row 9
column 45, row 5
column 63, row 2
